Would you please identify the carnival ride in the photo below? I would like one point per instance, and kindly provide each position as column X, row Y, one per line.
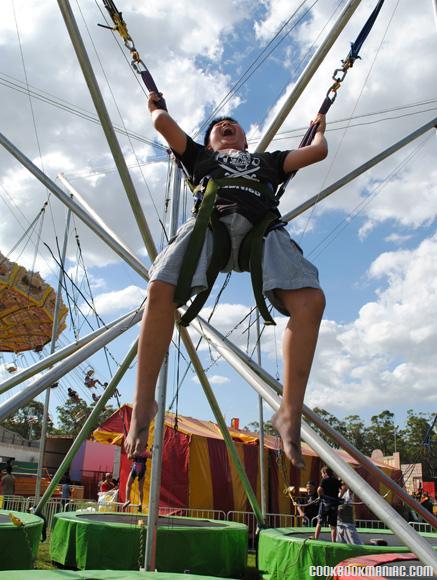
column 61, row 362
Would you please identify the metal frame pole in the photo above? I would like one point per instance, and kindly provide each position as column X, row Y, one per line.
column 31, row 391
column 261, row 426
column 359, row 170
column 57, row 356
column 95, row 216
column 323, row 426
column 379, row 506
column 75, row 208
column 158, row 440
column 107, row 126
column 88, row 426
column 307, row 75
column 55, row 329
column 155, row 484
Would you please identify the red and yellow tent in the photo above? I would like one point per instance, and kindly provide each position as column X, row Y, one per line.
column 198, row 474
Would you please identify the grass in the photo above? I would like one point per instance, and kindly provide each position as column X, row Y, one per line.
column 43, row 561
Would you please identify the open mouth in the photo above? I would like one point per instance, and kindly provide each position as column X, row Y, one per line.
column 227, row 132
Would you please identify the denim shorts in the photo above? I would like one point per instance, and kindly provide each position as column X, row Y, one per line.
column 284, row 266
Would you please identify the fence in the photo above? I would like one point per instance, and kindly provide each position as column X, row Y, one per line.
column 421, row 526
column 371, row 524
column 54, row 506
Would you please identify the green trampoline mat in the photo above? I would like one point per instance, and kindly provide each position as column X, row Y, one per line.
column 287, row 552
column 98, row 575
column 19, row 544
column 93, row 541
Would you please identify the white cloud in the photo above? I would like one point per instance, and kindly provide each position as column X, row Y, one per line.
column 110, row 302
column 214, row 379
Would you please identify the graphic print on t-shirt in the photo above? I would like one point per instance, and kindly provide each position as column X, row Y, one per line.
column 239, row 164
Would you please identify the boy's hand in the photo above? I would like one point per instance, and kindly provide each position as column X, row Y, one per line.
column 321, row 120
column 155, row 101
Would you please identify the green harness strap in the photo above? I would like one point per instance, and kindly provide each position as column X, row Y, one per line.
column 219, row 259
column 195, row 245
column 250, row 260
column 250, row 253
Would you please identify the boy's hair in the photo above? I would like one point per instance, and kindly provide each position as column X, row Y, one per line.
column 313, row 483
column 211, row 125
column 328, row 471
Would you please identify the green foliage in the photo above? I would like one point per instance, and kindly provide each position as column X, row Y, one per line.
column 415, row 441
column 254, row 426
column 26, row 421
column 72, row 416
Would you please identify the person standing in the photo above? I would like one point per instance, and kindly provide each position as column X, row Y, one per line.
column 65, row 492
column 328, row 491
column 8, row 485
column 308, row 507
column 346, row 530
column 106, row 484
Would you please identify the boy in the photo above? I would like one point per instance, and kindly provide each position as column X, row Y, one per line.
column 328, row 491
column 289, row 281
column 138, row 470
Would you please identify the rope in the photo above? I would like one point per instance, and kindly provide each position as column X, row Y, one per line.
column 338, row 77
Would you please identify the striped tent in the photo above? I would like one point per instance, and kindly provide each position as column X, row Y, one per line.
column 198, row 474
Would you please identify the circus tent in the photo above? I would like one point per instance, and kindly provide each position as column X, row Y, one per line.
column 198, row 474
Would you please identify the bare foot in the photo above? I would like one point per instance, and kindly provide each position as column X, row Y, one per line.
column 288, row 426
column 136, row 440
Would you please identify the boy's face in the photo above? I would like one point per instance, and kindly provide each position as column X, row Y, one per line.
column 227, row 135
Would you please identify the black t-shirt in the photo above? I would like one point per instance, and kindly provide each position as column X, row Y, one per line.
column 264, row 168
column 313, row 509
column 331, row 486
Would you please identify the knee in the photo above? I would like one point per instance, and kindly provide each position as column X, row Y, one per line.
column 306, row 303
column 318, row 302
column 160, row 295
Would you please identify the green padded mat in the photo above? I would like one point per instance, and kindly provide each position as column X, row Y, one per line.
column 197, row 546
column 97, row 575
column 19, row 544
column 288, row 553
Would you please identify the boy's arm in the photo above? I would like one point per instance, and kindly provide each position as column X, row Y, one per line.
column 317, row 151
column 166, row 125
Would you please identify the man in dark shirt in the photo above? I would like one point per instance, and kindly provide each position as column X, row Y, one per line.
column 328, row 491
column 309, row 505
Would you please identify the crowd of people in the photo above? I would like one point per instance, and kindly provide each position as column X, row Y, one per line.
column 331, row 503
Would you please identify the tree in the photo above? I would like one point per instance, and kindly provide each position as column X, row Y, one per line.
column 419, row 442
column 332, row 420
column 381, row 434
column 268, row 427
column 357, row 433
column 26, row 421
column 72, row 416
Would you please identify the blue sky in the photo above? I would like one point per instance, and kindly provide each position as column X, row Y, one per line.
column 374, row 241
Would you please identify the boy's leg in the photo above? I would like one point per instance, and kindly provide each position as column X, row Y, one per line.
column 141, row 489
column 306, row 307
column 155, row 336
column 128, row 491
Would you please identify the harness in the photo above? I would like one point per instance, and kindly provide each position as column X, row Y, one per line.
column 250, row 250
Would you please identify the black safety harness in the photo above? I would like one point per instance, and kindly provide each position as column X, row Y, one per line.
column 250, row 251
